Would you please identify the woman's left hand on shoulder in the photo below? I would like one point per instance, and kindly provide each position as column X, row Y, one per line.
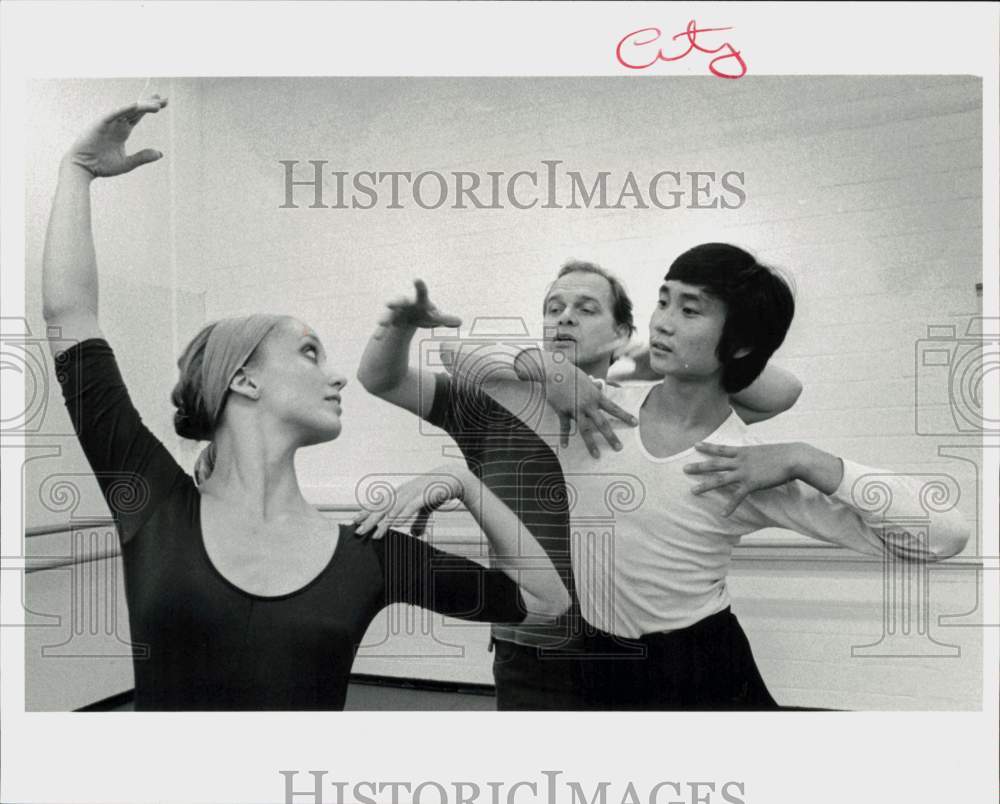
column 412, row 503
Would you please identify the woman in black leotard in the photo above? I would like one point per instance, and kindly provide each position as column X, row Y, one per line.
column 241, row 595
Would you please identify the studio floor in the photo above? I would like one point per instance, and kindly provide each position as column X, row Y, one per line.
column 369, row 696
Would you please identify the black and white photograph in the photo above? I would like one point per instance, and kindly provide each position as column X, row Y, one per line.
column 646, row 401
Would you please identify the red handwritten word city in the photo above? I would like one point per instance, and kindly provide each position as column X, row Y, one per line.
column 633, row 50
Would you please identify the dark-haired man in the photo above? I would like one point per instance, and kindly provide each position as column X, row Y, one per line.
column 588, row 323
column 654, row 586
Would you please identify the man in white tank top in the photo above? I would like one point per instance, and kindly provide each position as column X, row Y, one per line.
column 588, row 323
column 654, row 520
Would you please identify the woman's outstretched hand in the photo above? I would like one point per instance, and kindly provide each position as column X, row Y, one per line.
column 101, row 149
column 421, row 313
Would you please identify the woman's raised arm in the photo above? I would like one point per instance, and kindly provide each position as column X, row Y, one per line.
column 69, row 264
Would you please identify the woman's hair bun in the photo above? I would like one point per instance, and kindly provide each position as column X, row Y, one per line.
column 191, row 419
column 193, row 427
column 208, row 365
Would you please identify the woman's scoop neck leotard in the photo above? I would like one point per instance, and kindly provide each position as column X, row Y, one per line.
column 200, row 642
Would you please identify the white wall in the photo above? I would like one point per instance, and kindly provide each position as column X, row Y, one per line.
column 866, row 191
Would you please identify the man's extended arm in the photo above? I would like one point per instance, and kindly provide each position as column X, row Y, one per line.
column 801, row 488
column 773, row 392
column 385, row 369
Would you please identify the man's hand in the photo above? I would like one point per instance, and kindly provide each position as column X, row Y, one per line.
column 420, row 313
column 101, row 149
column 574, row 397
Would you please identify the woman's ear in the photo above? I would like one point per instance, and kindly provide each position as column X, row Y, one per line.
column 743, row 351
column 244, row 385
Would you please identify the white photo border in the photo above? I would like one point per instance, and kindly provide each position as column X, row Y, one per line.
column 193, row 757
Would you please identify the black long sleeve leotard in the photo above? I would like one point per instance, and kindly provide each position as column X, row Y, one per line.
column 203, row 643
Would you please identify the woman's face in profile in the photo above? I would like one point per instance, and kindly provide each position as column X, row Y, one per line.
column 296, row 385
